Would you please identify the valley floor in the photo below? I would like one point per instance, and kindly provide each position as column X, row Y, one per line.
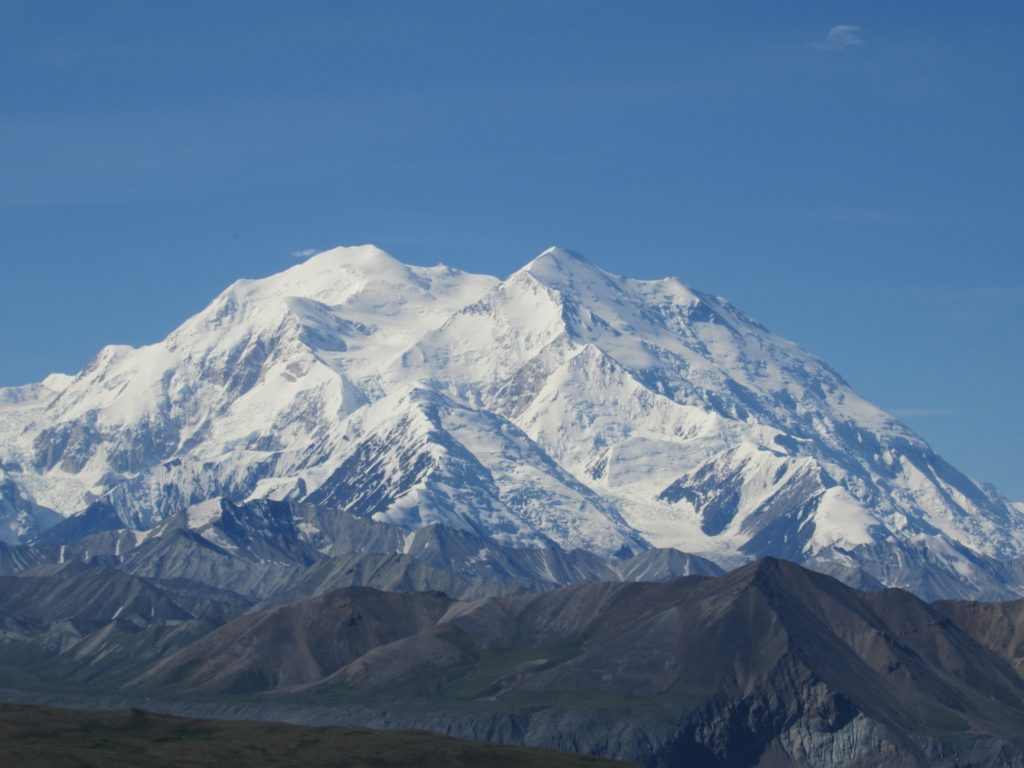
column 41, row 736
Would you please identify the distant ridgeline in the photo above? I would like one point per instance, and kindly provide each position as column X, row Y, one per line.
column 769, row 664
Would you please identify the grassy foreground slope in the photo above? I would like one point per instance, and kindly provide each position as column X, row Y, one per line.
column 39, row 736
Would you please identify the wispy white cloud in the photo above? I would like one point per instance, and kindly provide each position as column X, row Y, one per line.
column 841, row 37
column 305, row 253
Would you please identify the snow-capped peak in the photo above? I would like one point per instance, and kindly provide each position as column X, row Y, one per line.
column 563, row 404
column 57, row 382
column 568, row 272
column 558, row 260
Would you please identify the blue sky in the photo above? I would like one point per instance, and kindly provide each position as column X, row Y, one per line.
column 850, row 174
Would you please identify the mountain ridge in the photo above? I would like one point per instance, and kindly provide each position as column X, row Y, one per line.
column 770, row 664
column 562, row 404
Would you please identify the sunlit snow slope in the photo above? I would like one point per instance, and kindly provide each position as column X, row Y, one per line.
column 561, row 405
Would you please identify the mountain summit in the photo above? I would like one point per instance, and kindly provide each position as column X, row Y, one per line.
column 562, row 405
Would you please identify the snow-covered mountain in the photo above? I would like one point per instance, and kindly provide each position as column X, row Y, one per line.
column 561, row 405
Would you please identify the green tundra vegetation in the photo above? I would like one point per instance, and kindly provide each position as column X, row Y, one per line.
column 38, row 737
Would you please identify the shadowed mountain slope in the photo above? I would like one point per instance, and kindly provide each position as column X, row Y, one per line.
column 280, row 551
column 771, row 662
column 999, row 626
column 87, row 624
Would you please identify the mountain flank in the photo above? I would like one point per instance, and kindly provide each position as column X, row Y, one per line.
column 769, row 664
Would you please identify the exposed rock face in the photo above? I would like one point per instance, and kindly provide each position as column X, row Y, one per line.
column 280, row 551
